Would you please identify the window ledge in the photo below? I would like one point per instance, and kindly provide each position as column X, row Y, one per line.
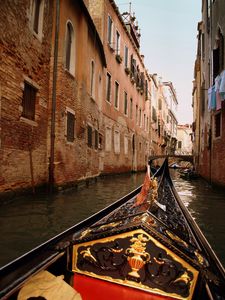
column 28, row 121
column 69, row 142
column 38, row 36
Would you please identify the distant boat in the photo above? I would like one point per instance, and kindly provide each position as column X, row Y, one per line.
column 188, row 174
column 144, row 246
column 174, row 166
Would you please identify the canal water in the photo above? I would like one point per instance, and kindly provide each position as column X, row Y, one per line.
column 31, row 220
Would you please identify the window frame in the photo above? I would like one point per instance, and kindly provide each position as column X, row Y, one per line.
column 125, row 107
column 29, row 103
column 118, row 42
column 69, row 62
column 108, row 139
column 89, row 136
column 36, row 18
column 108, row 87
column 110, row 31
column 131, row 108
column 217, row 123
column 92, row 81
column 116, row 94
column 126, row 57
column 117, row 142
column 70, row 112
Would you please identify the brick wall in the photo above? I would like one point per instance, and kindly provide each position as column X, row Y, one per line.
column 23, row 57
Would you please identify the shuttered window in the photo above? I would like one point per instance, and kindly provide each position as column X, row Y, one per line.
column 70, row 126
column 28, row 103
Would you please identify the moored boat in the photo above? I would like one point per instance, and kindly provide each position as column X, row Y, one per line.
column 144, row 246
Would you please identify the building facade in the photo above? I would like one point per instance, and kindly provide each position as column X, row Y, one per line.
column 184, row 140
column 25, row 51
column 172, row 122
column 208, row 93
column 126, row 98
column 76, row 99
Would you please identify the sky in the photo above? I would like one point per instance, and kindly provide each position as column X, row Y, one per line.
column 169, row 43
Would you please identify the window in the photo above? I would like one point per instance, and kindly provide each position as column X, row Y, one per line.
column 70, row 126
column 92, row 77
column 144, row 122
column 125, row 145
column 131, row 108
column 218, row 55
column 179, row 144
column 100, row 141
column 146, row 90
column 108, row 87
column 37, row 11
column 28, row 102
column 108, row 139
column 110, row 31
column 126, row 57
column 89, row 136
column 140, row 117
column 125, row 104
column 117, row 43
column 160, row 104
column 147, row 125
column 136, row 114
column 116, row 100
column 37, row 5
column 217, row 125
column 117, row 142
column 154, row 115
column 70, row 49
column 96, row 139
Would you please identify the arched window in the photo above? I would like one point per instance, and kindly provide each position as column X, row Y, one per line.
column 92, row 78
column 70, row 49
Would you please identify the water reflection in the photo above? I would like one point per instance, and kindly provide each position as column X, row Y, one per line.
column 29, row 221
column 207, row 207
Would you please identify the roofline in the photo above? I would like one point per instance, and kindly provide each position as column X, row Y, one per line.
column 170, row 84
column 93, row 27
column 116, row 9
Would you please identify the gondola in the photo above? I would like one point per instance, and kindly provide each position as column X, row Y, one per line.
column 145, row 246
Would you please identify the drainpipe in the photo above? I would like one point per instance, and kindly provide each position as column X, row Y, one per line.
column 53, row 110
column 211, row 82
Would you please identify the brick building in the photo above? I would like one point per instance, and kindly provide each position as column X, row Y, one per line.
column 79, row 84
column 75, row 95
column 25, row 45
column 126, row 95
column 208, row 94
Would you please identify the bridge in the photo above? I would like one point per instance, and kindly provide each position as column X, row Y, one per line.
column 176, row 156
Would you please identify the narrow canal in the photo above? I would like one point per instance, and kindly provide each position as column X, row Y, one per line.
column 29, row 221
